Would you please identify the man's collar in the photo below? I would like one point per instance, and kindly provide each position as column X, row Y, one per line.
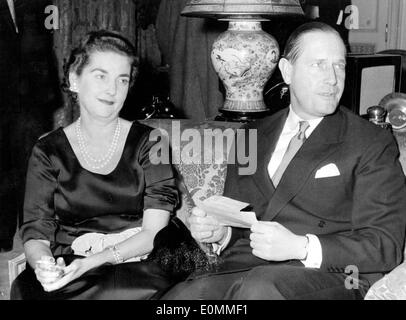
column 293, row 119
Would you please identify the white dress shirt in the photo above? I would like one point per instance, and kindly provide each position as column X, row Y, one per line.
column 290, row 128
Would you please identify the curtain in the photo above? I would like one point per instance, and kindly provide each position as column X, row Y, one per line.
column 185, row 44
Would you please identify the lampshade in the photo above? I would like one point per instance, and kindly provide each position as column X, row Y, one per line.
column 230, row 8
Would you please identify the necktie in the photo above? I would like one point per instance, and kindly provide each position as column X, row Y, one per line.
column 294, row 145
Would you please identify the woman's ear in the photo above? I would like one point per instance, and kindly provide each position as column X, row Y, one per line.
column 286, row 70
column 73, row 81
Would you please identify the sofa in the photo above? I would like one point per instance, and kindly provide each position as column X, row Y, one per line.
column 393, row 285
column 199, row 179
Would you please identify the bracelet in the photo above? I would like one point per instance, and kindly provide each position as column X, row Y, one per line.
column 116, row 254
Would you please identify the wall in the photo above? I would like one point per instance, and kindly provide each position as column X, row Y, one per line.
column 402, row 26
column 382, row 25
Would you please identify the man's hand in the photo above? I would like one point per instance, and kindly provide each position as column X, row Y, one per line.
column 205, row 228
column 273, row 242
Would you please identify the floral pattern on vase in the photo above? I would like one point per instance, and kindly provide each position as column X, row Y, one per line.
column 244, row 58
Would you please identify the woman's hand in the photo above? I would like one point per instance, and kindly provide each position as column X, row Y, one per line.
column 47, row 271
column 70, row 273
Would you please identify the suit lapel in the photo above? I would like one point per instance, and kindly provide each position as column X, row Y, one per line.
column 9, row 16
column 266, row 144
column 321, row 143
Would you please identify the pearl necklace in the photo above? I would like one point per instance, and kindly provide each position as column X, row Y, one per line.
column 91, row 161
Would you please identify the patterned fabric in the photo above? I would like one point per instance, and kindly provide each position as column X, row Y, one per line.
column 199, row 179
column 391, row 287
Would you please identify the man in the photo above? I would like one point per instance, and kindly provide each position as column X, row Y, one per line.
column 27, row 98
column 332, row 208
column 9, row 106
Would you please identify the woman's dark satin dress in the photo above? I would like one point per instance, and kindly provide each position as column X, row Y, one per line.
column 63, row 201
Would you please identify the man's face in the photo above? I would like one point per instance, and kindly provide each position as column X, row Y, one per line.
column 317, row 77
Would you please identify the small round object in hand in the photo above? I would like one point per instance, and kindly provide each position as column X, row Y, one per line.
column 48, row 263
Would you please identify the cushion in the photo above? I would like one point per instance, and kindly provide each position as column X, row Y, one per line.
column 201, row 165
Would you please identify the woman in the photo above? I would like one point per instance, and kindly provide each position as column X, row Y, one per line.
column 92, row 190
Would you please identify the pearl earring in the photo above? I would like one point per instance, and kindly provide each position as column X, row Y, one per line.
column 74, row 87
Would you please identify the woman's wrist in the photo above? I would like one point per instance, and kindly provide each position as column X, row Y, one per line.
column 98, row 259
column 116, row 254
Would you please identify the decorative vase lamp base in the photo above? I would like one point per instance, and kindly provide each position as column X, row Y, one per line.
column 244, row 56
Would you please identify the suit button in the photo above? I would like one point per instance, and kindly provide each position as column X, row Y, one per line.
column 322, row 223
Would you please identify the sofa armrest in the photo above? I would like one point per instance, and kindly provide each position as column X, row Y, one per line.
column 15, row 267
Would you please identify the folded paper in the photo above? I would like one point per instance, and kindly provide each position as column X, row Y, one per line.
column 228, row 212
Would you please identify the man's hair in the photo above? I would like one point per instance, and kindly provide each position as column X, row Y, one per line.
column 293, row 46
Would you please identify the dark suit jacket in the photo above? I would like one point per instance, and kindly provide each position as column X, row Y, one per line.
column 9, row 59
column 359, row 216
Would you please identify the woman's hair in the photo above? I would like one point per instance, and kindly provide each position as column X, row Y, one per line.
column 293, row 47
column 99, row 41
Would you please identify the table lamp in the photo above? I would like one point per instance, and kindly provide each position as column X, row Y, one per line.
column 244, row 56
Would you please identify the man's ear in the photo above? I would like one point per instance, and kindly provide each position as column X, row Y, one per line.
column 286, row 70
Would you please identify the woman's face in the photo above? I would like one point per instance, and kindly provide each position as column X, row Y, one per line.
column 103, row 85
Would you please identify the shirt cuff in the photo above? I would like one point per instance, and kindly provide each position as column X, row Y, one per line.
column 314, row 252
column 219, row 247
